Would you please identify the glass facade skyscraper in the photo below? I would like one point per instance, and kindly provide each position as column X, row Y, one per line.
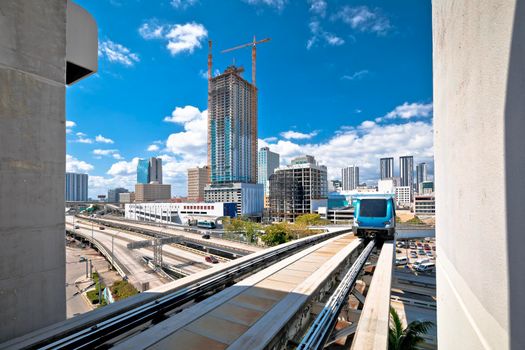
column 232, row 128
column 267, row 161
column 386, row 168
column 149, row 170
column 406, row 171
column 76, row 187
column 350, row 176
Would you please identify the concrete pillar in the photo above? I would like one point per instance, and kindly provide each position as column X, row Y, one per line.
column 32, row 164
column 35, row 65
column 479, row 122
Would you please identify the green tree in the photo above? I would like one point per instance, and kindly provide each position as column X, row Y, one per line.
column 400, row 338
column 310, row 220
column 276, row 234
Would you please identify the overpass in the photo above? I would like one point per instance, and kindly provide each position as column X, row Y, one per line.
column 293, row 294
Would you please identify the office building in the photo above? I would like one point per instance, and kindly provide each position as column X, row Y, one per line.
column 249, row 198
column 76, row 187
column 44, row 46
column 198, row 178
column 179, row 213
column 426, row 187
column 149, row 170
column 232, row 128
column 425, row 205
column 421, row 174
column 403, row 196
column 152, row 192
column 114, row 194
column 386, row 168
column 350, row 176
column 335, row 186
column 267, row 162
column 406, row 171
column 300, row 188
column 128, row 197
column 386, row 186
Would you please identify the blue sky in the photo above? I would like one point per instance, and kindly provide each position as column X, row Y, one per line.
column 346, row 81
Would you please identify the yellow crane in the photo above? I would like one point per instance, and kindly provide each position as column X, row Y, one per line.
column 253, row 44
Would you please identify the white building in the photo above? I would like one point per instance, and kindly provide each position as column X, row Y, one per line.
column 403, row 196
column 425, row 205
column 350, row 177
column 178, row 213
column 386, row 186
column 249, row 198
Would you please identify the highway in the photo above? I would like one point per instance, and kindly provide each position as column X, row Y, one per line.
column 132, row 259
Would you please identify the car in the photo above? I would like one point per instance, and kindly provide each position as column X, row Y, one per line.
column 77, row 227
column 402, row 260
column 429, row 253
column 211, row 259
column 206, row 236
column 413, row 254
column 426, row 267
column 434, row 248
column 421, row 261
column 82, row 259
column 421, row 252
column 102, row 228
column 398, row 251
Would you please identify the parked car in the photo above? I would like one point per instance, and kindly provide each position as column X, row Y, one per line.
column 82, row 259
column 421, row 261
column 211, row 259
column 429, row 253
column 206, row 236
column 402, row 260
column 434, row 248
column 102, row 228
column 421, row 252
column 426, row 267
column 413, row 254
column 398, row 251
column 77, row 227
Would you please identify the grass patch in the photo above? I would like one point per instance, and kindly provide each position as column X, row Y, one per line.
column 122, row 290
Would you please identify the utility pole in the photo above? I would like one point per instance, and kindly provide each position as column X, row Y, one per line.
column 92, row 239
column 112, row 254
column 86, row 268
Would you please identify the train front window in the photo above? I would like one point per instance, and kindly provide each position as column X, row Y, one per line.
column 373, row 208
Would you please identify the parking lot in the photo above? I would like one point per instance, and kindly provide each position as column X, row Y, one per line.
column 409, row 252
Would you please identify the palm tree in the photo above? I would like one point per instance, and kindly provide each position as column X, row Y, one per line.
column 408, row 338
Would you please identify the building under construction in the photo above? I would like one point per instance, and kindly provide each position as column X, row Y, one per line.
column 232, row 129
column 300, row 188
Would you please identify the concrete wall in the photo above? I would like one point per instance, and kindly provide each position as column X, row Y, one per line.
column 32, row 164
column 479, row 120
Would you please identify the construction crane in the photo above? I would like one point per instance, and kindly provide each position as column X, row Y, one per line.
column 253, row 44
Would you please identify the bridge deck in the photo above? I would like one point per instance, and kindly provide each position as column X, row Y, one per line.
column 251, row 313
column 372, row 329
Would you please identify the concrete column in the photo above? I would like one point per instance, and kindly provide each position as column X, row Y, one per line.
column 32, row 164
column 479, row 122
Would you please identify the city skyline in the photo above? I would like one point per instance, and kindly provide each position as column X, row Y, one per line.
column 174, row 127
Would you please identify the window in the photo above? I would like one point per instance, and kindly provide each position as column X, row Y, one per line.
column 373, row 208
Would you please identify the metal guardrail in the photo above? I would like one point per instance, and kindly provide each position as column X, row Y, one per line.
column 96, row 334
column 109, row 257
column 318, row 333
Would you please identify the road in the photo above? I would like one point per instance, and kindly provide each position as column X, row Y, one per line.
column 75, row 304
column 176, row 231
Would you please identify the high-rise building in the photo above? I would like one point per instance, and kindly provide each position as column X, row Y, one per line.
column 406, row 171
column 386, row 168
column 149, row 170
column 114, row 194
column 232, row 128
column 421, row 173
column 249, row 198
column 350, row 176
column 298, row 189
column 267, row 161
column 76, row 187
column 197, row 181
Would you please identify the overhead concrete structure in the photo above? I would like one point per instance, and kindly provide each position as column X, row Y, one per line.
column 479, row 121
column 35, row 65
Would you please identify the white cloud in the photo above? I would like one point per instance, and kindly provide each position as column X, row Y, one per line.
column 289, row 135
column 193, row 138
column 103, row 139
column 270, row 139
column 117, row 53
column 356, row 75
column 319, row 34
column 74, row 165
column 153, row 148
column 318, row 7
column 108, row 153
column 124, row 168
column 70, row 124
column 184, row 114
column 183, row 4
column 364, row 19
column 276, row 4
column 363, row 145
column 408, row 110
column 100, row 185
column 180, row 37
column 82, row 139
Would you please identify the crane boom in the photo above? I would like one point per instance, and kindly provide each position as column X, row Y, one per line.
column 253, row 44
